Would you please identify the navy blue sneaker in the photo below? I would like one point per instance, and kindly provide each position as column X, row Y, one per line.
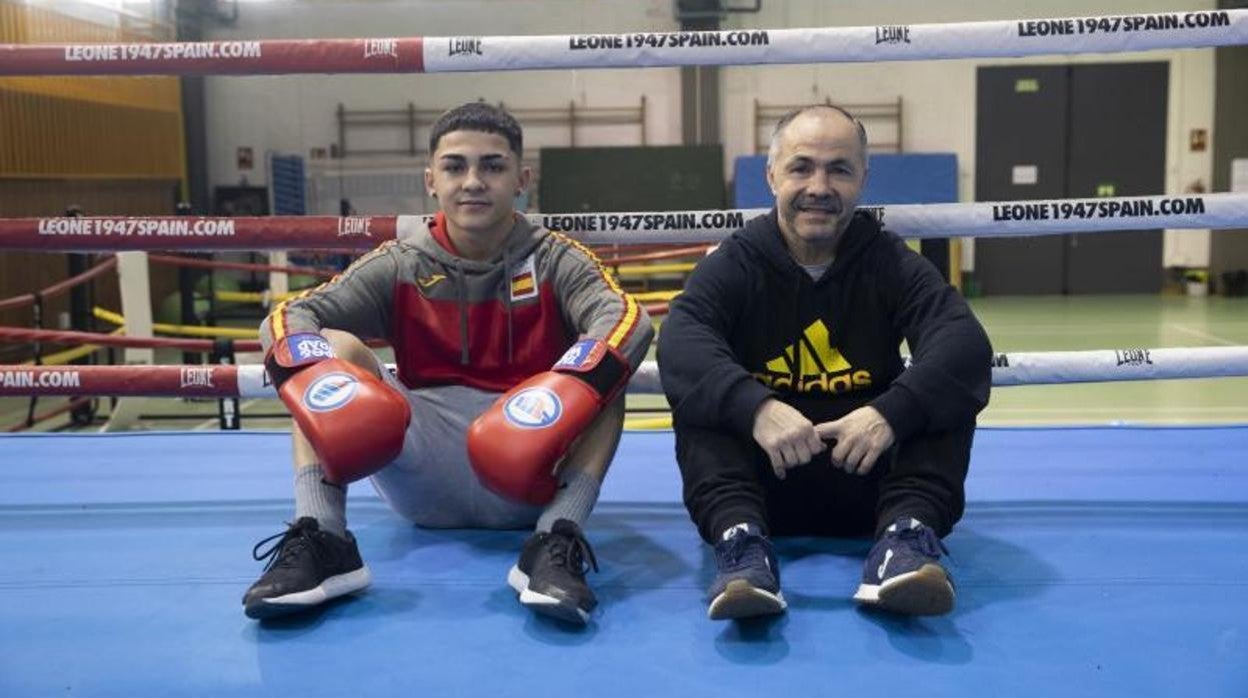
column 748, row 581
column 903, row 573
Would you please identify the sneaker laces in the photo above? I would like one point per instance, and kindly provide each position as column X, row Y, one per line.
column 925, row 539
column 739, row 552
column 572, row 552
column 293, row 539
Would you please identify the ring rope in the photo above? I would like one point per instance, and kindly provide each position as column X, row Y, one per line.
column 177, row 261
column 60, row 286
column 250, row 380
column 678, row 253
column 652, row 269
column 984, row 219
column 266, row 299
column 181, row 330
column 114, row 339
column 47, row 414
column 68, row 356
column 658, row 296
column 991, row 39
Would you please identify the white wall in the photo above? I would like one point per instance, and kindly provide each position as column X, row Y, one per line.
column 296, row 113
column 939, row 96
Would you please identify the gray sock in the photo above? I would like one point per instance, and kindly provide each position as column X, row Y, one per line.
column 322, row 501
column 578, row 492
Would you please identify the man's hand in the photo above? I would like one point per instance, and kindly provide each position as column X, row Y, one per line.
column 786, row 435
column 861, row 436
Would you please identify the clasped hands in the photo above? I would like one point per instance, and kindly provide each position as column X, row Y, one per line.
column 790, row 440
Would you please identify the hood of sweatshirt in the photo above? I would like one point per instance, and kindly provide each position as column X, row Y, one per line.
column 762, row 236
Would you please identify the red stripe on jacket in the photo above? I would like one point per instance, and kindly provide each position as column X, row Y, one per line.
column 426, row 339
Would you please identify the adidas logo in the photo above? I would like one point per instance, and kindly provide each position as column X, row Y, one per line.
column 812, row 364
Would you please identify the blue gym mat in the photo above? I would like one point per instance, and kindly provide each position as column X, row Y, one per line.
column 1091, row 562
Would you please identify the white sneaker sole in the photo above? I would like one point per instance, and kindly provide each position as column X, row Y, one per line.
column 740, row 599
column 923, row 592
column 546, row 605
column 332, row 587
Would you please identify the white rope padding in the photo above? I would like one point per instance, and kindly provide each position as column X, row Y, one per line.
column 1107, row 365
column 250, row 380
column 1058, row 367
column 901, row 42
column 1008, row 368
column 989, row 219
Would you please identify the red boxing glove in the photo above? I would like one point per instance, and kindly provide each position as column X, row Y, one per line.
column 354, row 421
column 515, row 445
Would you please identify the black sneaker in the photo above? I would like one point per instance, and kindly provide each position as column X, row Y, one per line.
column 903, row 573
column 307, row 567
column 748, row 580
column 550, row 575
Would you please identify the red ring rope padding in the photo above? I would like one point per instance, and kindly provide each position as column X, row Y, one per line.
column 45, row 416
column 68, row 337
column 209, row 380
column 267, row 57
column 119, row 233
column 656, row 309
column 60, row 286
column 321, row 250
column 175, row 260
column 237, row 266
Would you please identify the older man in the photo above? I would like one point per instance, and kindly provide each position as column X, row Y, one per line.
column 794, row 413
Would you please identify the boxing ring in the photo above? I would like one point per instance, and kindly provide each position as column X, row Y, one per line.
column 1092, row 561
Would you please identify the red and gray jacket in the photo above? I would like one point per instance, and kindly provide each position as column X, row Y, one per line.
column 488, row 325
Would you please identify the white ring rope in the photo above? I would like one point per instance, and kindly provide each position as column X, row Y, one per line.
column 995, row 39
column 250, row 381
column 1103, row 366
column 1008, row 368
column 906, row 42
column 989, row 219
column 1059, row 367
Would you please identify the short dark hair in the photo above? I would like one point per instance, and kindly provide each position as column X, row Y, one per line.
column 789, row 116
column 478, row 116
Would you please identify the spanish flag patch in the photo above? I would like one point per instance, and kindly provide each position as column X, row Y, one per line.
column 524, row 281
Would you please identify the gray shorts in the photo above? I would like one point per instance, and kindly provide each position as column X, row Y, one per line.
column 431, row 482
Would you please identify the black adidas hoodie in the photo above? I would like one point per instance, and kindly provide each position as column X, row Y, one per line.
column 751, row 324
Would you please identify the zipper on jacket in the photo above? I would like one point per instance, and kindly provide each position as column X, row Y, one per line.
column 462, row 301
column 507, row 297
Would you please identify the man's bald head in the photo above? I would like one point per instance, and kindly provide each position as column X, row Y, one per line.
column 830, row 109
column 817, row 168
